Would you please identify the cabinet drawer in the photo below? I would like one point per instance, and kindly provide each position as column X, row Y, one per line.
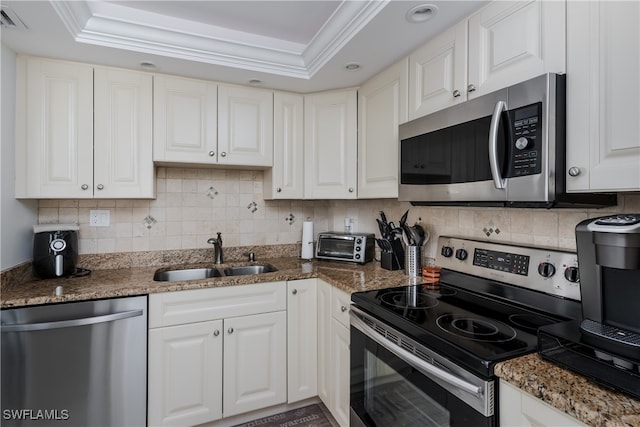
column 340, row 302
column 199, row 305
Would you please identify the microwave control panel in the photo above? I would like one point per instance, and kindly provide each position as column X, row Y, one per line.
column 526, row 137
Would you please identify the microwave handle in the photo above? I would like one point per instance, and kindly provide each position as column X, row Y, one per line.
column 498, row 181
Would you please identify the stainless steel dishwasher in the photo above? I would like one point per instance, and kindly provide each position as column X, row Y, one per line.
column 75, row 364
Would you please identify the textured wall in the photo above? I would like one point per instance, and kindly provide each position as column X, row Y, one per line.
column 193, row 204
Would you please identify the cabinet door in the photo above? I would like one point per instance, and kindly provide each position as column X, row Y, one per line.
column 513, row 41
column 302, row 342
column 184, row 120
column 123, row 142
column 255, row 362
column 54, row 129
column 438, row 73
column 382, row 106
column 324, row 342
column 603, row 96
column 285, row 180
column 245, row 126
column 185, row 374
column 330, row 145
column 341, row 373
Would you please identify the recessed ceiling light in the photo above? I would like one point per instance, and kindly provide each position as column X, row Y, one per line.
column 421, row 13
column 352, row 66
column 147, row 65
column 255, row 82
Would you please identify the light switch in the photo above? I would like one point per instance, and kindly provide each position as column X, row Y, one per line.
column 99, row 218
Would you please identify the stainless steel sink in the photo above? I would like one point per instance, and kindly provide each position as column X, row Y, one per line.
column 209, row 272
column 187, row 274
column 242, row 270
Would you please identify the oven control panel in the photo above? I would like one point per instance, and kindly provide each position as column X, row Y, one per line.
column 552, row 271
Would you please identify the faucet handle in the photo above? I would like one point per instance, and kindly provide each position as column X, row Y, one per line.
column 251, row 255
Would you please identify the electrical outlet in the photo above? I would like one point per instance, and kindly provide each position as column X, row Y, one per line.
column 99, row 218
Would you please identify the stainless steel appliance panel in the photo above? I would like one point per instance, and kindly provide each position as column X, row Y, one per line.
column 75, row 364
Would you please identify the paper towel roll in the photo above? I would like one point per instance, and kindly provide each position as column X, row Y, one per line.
column 307, row 239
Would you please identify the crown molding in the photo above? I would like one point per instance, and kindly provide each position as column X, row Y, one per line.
column 110, row 25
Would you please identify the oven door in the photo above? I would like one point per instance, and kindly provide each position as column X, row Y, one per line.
column 393, row 385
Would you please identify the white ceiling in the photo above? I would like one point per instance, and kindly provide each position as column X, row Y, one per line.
column 297, row 45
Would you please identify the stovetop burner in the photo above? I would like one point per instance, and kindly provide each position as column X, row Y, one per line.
column 410, row 298
column 477, row 329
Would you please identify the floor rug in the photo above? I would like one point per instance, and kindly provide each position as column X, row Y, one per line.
column 308, row 416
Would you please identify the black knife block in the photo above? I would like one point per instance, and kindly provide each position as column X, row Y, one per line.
column 393, row 260
column 388, row 261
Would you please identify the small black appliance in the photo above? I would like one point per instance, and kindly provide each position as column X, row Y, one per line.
column 55, row 250
column 605, row 344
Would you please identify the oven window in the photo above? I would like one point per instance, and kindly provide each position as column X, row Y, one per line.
column 339, row 248
column 392, row 400
column 386, row 391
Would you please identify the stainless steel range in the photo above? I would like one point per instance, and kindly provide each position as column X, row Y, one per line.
column 424, row 355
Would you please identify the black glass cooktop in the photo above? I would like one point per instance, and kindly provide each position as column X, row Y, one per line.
column 473, row 330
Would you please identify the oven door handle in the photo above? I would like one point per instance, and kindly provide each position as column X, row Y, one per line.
column 498, row 181
column 413, row 360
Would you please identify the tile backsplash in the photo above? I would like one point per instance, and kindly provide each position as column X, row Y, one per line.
column 193, row 204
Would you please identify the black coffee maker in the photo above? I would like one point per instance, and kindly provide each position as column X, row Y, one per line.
column 55, row 250
column 609, row 259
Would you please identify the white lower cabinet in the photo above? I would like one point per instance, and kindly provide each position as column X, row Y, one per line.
column 185, row 374
column 302, row 339
column 520, row 409
column 255, row 362
column 220, row 352
column 333, row 352
column 210, row 346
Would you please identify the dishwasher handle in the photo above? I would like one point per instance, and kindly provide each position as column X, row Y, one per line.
column 83, row 321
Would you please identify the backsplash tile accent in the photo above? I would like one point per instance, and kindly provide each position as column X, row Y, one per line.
column 193, row 204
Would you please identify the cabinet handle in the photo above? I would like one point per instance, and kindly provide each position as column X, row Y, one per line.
column 295, row 291
column 223, row 154
column 100, row 187
column 84, row 187
column 230, row 331
column 574, row 171
column 279, row 190
column 216, row 333
column 350, row 189
column 343, row 308
column 471, row 88
column 456, row 93
column 212, row 153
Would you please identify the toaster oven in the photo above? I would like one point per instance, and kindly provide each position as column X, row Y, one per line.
column 352, row 247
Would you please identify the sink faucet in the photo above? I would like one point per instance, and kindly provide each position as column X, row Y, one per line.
column 217, row 245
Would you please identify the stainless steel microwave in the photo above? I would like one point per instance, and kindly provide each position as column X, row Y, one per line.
column 506, row 148
column 352, row 247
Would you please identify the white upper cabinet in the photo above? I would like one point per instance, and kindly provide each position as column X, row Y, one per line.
column 330, row 145
column 438, row 72
column 382, row 106
column 60, row 107
column 603, row 96
column 286, row 179
column 201, row 122
column 245, row 126
column 123, row 135
column 185, row 120
column 513, row 41
column 502, row 44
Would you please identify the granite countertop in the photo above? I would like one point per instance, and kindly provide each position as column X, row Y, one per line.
column 119, row 282
column 571, row 393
